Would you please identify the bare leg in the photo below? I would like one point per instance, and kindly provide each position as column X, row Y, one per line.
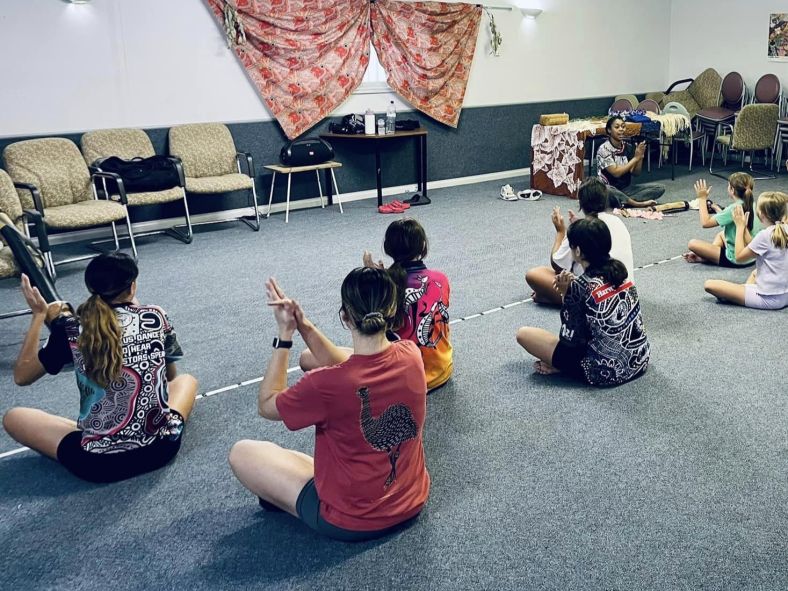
column 539, row 343
column 725, row 291
column 751, row 278
column 182, row 392
column 708, row 252
column 37, row 429
column 308, row 361
column 273, row 473
column 540, row 279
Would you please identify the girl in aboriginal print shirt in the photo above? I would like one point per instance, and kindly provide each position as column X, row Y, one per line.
column 132, row 403
column 602, row 340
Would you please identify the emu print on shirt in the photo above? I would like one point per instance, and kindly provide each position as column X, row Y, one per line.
column 387, row 432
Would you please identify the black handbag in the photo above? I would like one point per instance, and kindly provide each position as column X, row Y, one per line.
column 306, row 152
column 141, row 175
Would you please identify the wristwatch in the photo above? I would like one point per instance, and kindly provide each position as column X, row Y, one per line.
column 282, row 344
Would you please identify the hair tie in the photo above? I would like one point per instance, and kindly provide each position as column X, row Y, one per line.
column 373, row 315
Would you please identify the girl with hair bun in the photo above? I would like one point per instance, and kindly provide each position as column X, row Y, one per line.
column 368, row 476
column 721, row 251
column 133, row 405
column 767, row 287
column 602, row 340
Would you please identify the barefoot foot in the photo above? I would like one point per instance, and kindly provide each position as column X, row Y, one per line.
column 544, row 369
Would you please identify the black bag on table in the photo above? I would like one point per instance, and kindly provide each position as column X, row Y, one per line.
column 141, row 175
column 306, row 152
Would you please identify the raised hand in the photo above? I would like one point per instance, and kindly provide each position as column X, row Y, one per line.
column 640, row 150
column 368, row 262
column 740, row 218
column 573, row 217
column 284, row 308
column 36, row 302
column 558, row 220
column 702, row 190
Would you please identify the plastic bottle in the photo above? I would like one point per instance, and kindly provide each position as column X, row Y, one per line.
column 391, row 118
column 369, row 122
column 381, row 126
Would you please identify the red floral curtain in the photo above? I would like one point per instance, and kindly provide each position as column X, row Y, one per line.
column 427, row 49
column 304, row 56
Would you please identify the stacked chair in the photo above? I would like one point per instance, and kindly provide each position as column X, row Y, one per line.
column 733, row 94
column 703, row 92
column 129, row 144
column 53, row 180
column 753, row 130
column 12, row 214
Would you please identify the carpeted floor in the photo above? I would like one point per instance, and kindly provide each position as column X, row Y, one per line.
column 674, row 481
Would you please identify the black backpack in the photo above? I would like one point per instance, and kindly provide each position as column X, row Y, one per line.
column 141, row 175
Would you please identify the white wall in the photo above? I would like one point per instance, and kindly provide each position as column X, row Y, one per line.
column 150, row 63
column 726, row 35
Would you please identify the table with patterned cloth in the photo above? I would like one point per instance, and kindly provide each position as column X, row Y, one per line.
column 558, row 151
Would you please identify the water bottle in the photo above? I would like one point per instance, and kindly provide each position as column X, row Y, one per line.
column 369, row 122
column 381, row 126
column 391, row 118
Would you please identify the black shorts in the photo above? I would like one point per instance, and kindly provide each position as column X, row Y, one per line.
column 308, row 509
column 726, row 262
column 568, row 360
column 112, row 467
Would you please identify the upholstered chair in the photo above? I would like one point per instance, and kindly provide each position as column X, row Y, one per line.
column 52, row 178
column 702, row 93
column 129, row 144
column 211, row 163
column 754, row 130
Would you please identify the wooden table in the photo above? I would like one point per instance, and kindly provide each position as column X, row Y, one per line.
column 419, row 135
column 290, row 170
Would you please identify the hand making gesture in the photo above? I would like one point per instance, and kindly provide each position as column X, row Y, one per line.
column 702, row 190
column 562, row 282
column 284, row 309
column 37, row 304
column 558, row 220
column 640, row 150
column 368, row 262
column 739, row 217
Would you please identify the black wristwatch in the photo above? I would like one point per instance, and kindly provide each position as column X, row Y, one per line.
column 281, row 344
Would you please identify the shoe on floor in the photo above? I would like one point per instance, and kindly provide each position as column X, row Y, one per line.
column 507, row 193
column 400, row 204
column 529, row 195
column 390, row 208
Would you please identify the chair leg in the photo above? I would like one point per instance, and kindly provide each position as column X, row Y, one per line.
column 271, row 195
column 50, row 263
column 320, row 189
column 115, row 236
column 336, row 191
column 186, row 237
column 131, row 233
column 256, row 225
column 691, row 147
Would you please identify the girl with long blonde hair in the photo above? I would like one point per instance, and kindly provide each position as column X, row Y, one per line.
column 133, row 405
column 767, row 287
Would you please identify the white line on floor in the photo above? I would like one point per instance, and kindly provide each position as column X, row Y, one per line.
column 296, row 368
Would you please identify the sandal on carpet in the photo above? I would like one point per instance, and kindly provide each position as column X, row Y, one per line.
column 529, row 195
column 507, row 193
column 400, row 204
column 390, row 208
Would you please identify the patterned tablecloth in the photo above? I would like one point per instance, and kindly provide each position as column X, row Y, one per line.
column 558, row 151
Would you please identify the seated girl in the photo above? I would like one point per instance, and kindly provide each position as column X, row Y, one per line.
column 617, row 162
column 767, row 287
column 368, row 476
column 132, row 404
column 422, row 301
column 593, row 203
column 721, row 251
column 602, row 340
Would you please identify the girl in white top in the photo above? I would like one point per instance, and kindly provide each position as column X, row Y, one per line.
column 593, row 198
column 767, row 287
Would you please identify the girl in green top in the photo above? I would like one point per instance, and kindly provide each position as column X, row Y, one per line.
column 722, row 250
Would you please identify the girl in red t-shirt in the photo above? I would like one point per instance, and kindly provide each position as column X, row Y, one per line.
column 368, row 476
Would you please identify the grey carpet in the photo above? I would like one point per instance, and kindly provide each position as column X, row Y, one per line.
column 676, row 480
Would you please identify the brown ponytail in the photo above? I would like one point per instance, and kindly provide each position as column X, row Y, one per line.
column 369, row 299
column 107, row 277
column 773, row 206
column 742, row 185
column 405, row 241
column 100, row 341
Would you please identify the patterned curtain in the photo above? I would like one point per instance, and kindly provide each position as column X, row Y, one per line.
column 304, row 56
column 427, row 49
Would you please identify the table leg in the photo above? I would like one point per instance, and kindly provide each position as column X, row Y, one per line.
column 424, row 164
column 329, row 187
column 271, row 195
column 419, row 177
column 287, row 205
column 673, row 157
column 379, row 180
